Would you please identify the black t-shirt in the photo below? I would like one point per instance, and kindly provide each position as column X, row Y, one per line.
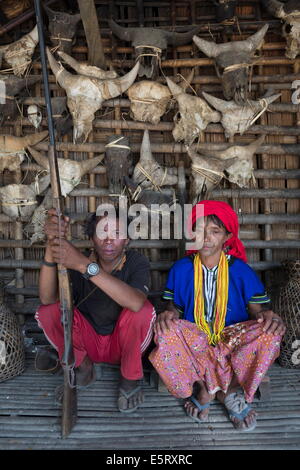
column 100, row 309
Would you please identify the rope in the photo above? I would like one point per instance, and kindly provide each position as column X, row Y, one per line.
column 22, row 202
column 263, row 102
column 202, row 171
column 146, row 174
column 114, row 144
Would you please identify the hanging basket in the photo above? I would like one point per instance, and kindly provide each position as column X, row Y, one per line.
column 287, row 305
column 12, row 354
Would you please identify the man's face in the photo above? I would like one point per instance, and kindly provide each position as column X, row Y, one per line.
column 210, row 238
column 109, row 241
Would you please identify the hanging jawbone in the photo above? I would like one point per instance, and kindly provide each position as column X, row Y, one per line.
column 233, row 61
column 150, row 44
column 62, row 28
column 236, row 119
column 85, row 95
column 289, row 13
column 195, row 114
column 148, row 101
column 19, row 53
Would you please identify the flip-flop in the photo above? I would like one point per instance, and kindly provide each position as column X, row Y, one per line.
column 124, row 394
column 237, row 407
column 200, row 408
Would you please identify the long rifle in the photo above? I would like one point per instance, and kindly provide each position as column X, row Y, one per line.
column 69, row 407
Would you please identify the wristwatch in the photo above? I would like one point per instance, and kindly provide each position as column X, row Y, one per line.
column 92, row 269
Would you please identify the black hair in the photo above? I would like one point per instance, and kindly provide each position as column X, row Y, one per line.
column 92, row 221
column 215, row 219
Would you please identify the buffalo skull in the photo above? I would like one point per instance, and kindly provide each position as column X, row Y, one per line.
column 233, row 60
column 148, row 101
column 87, row 70
column 10, row 86
column 62, row 27
column 19, row 53
column 12, row 149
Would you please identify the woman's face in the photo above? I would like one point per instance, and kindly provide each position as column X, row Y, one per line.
column 210, row 238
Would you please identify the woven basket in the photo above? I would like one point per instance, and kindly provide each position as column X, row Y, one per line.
column 12, row 354
column 287, row 305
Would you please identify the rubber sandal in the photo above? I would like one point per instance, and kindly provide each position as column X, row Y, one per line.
column 237, row 407
column 200, row 408
column 126, row 395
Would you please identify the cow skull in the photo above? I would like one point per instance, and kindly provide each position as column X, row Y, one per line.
column 62, row 27
column 238, row 118
column 10, row 86
column 148, row 101
column 12, row 149
column 240, row 170
column 233, row 60
column 194, row 112
column 86, row 95
column 34, row 115
column 288, row 12
column 148, row 173
column 87, row 70
column 150, row 43
column 19, row 53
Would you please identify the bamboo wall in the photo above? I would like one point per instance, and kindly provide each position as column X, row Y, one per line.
column 269, row 212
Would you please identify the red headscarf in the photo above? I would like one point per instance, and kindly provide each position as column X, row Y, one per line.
column 229, row 218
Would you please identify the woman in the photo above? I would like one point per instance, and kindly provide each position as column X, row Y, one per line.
column 217, row 335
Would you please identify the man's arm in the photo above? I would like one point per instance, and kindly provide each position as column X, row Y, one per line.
column 48, row 280
column 272, row 323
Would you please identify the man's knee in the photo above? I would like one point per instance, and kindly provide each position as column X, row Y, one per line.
column 47, row 315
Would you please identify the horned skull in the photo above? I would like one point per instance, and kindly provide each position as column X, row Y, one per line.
column 118, row 162
column 151, row 43
column 233, row 61
column 34, row 115
column 10, row 86
column 193, row 117
column 238, row 118
column 86, row 95
column 148, row 101
column 87, row 70
column 148, row 173
column 62, row 27
column 19, row 53
column 12, row 149
column 288, row 12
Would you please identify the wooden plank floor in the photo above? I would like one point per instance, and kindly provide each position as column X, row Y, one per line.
column 29, row 419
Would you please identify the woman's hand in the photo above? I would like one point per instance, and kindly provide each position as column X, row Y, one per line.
column 56, row 227
column 165, row 321
column 65, row 253
column 273, row 324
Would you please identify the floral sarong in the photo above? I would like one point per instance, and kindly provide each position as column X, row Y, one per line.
column 183, row 356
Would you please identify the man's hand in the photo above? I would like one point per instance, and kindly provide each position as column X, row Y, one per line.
column 55, row 228
column 272, row 323
column 65, row 253
column 165, row 321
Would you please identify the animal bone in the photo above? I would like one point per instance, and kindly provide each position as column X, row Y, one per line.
column 12, row 149
column 234, row 58
column 86, row 95
column 288, row 12
column 148, row 101
column 148, row 173
column 34, row 115
column 87, row 70
column 19, row 53
column 10, row 87
column 62, row 27
column 151, row 43
column 195, row 115
column 238, row 118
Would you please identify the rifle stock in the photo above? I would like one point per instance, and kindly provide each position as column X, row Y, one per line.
column 69, row 408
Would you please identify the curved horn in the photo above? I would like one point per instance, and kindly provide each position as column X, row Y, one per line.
column 41, row 159
column 209, row 48
column 219, row 104
column 122, row 33
column 59, row 71
column 255, row 41
column 90, row 71
column 111, row 88
column 253, row 146
column 88, row 165
column 146, row 153
column 33, row 139
column 180, row 39
column 174, row 88
column 272, row 98
column 275, row 7
column 34, row 34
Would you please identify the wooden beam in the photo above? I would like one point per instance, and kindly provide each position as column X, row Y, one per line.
column 92, row 32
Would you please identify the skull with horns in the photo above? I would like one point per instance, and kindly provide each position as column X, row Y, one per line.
column 62, row 27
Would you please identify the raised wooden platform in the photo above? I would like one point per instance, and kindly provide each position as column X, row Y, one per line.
column 29, row 419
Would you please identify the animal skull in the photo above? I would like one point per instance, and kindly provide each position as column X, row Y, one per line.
column 62, row 27
column 195, row 115
column 86, row 95
column 118, row 162
column 150, row 43
column 234, row 60
column 19, row 53
column 148, row 101
column 148, row 173
column 10, row 87
column 87, row 70
column 288, row 12
column 12, row 149
column 238, row 118
column 34, row 115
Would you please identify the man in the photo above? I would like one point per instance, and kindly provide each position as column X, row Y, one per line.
column 112, row 317
column 227, row 337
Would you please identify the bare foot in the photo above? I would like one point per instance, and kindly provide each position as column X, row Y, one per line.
column 130, row 395
column 204, row 398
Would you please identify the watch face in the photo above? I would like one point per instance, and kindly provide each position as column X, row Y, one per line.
column 93, row 269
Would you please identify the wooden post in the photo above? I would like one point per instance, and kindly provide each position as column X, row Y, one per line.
column 92, row 33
